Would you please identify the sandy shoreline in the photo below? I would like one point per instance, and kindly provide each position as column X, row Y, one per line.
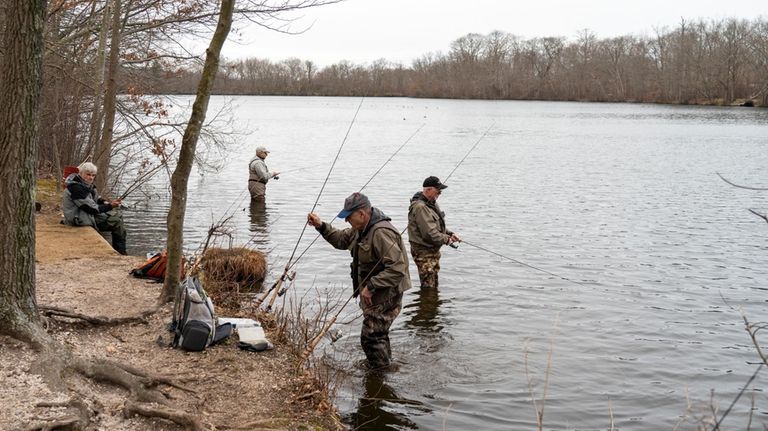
column 228, row 388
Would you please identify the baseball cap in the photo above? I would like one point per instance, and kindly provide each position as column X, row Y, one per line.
column 433, row 182
column 353, row 202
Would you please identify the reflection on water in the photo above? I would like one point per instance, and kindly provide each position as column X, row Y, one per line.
column 377, row 407
column 424, row 311
column 259, row 222
column 624, row 196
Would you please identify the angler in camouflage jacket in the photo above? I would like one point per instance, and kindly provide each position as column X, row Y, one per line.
column 427, row 231
column 379, row 270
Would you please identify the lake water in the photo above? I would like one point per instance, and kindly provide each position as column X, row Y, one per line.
column 660, row 255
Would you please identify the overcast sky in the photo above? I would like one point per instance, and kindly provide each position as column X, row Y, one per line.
column 363, row 31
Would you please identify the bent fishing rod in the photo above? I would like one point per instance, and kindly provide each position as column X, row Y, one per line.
column 281, row 291
column 141, row 180
column 316, row 340
column 288, row 264
column 366, row 184
column 468, row 152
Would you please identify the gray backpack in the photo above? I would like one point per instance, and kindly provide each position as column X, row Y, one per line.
column 194, row 320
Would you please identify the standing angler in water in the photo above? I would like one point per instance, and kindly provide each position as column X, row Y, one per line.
column 379, row 270
column 259, row 175
column 427, row 231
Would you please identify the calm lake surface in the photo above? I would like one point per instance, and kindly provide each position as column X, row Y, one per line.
column 621, row 199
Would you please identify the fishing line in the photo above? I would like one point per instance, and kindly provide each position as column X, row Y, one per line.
column 717, row 424
column 290, row 264
column 313, row 343
column 364, row 186
column 301, row 169
column 284, row 275
column 141, row 180
column 521, row 263
column 335, row 159
column 470, row 150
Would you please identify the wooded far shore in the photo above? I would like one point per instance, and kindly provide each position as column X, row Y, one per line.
column 700, row 62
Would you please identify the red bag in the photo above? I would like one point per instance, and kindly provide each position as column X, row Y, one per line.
column 154, row 267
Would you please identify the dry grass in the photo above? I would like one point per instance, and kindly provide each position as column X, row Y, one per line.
column 229, row 275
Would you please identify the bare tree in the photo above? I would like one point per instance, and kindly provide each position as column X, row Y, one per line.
column 696, row 62
column 186, row 157
column 20, row 85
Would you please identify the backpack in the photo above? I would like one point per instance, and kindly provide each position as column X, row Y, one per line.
column 194, row 320
column 154, row 267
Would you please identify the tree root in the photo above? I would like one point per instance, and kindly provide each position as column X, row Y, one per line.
column 145, row 399
column 137, row 382
column 156, row 411
column 144, row 396
column 261, row 424
column 65, row 423
column 98, row 320
column 69, row 422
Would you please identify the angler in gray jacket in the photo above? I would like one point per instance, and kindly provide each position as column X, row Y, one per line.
column 427, row 231
column 84, row 207
column 379, row 270
column 259, row 174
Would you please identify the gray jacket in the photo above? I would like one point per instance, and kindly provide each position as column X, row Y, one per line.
column 81, row 202
column 258, row 171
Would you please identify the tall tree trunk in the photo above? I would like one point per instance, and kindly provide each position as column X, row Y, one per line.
column 98, row 91
column 20, row 86
column 104, row 149
column 180, row 175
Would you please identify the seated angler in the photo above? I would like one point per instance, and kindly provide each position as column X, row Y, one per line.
column 84, row 207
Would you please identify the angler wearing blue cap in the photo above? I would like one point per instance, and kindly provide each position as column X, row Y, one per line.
column 379, row 270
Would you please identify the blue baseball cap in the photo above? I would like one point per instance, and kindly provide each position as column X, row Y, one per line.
column 352, row 203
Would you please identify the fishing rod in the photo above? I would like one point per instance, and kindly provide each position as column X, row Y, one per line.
column 301, row 169
column 453, row 244
column 468, row 152
column 327, row 327
column 365, row 185
column 142, row 179
column 288, row 265
column 282, row 291
column 521, row 263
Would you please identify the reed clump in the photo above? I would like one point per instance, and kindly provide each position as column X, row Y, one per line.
column 231, row 274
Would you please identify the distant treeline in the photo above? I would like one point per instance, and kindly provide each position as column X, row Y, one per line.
column 108, row 64
column 701, row 62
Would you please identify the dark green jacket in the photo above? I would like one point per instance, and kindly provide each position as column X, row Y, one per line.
column 379, row 259
column 426, row 223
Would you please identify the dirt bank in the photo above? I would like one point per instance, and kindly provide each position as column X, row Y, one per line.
column 225, row 388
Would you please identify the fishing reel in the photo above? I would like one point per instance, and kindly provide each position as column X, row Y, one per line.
column 290, row 276
column 335, row 335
